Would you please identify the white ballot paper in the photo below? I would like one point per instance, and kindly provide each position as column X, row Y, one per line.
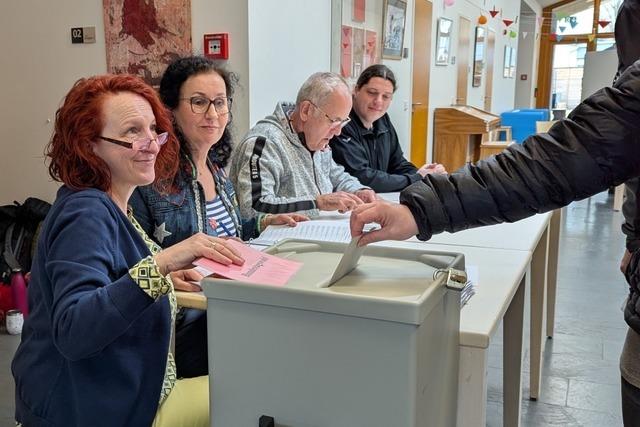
column 347, row 263
column 322, row 230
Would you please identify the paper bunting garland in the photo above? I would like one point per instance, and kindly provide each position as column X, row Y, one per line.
column 540, row 20
column 591, row 37
column 603, row 23
column 493, row 12
column 507, row 22
column 513, row 34
column 559, row 37
column 449, row 3
column 573, row 21
column 562, row 28
column 482, row 19
column 524, row 34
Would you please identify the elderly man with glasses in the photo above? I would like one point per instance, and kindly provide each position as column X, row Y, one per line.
column 284, row 164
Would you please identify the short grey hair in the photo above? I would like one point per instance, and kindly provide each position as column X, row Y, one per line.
column 319, row 86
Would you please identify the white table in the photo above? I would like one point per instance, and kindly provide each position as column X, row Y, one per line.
column 530, row 235
column 499, row 296
column 538, row 235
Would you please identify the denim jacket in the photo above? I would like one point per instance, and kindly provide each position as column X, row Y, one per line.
column 175, row 216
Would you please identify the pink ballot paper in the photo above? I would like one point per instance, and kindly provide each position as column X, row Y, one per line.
column 258, row 267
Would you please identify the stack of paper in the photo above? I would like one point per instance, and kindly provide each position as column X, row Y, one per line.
column 258, row 267
column 323, row 230
column 467, row 292
column 469, row 289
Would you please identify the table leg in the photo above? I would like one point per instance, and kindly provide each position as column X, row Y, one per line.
column 552, row 268
column 538, row 301
column 512, row 358
column 472, row 387
column 618, row 197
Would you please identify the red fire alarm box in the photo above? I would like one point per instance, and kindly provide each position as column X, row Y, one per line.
column 216, row 46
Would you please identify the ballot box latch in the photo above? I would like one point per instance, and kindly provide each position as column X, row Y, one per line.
column 454, row 279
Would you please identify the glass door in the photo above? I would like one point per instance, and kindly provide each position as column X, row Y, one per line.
column 566, row 76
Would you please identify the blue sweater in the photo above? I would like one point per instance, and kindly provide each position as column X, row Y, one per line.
column 94, row 347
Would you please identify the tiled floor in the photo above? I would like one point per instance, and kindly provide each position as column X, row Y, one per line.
column 581, row 379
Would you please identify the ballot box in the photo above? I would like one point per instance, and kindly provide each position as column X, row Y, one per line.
column 377, row 348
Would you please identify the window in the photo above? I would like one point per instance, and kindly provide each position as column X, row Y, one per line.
column 573, row 18
column 608, row 12
column 566, row 79
column 604, row 44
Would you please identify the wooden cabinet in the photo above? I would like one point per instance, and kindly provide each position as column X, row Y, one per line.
column 459, row 131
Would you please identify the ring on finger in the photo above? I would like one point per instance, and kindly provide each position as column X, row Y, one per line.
column 213, row 245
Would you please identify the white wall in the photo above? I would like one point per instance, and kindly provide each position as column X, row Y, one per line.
column 288, row 41
column 400, row 109
column 206, row 17
column 39, row 66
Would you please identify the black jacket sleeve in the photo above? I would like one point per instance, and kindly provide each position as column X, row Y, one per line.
column 597, row 146
column 351, row 153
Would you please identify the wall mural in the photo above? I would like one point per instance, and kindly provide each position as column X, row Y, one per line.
column 143, row 36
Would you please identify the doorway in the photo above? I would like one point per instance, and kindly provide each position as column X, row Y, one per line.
column 527, row 54
column 566, row 75
column 420, row 81
column 488, row 88
column 464, row 38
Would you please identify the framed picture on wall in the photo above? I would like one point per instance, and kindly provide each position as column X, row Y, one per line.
column 443, row 41
column 359, row 7
column 395, row 13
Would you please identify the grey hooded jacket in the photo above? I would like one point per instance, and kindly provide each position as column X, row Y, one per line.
column 274, row 172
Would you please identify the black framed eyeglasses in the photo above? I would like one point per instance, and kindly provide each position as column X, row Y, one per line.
column 201, row 105
column 335, row 122
column 139, row 144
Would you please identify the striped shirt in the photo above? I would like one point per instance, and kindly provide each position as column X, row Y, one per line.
column 219, row 218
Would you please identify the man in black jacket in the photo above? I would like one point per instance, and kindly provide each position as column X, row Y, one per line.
column 596, row 147
column 368, row 146
column 628, row 47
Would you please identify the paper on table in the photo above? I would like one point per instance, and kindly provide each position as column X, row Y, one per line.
column 258, row 267
column 348, row 262
column 322, row 230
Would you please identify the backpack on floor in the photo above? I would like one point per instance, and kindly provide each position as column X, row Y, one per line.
column 19, row 224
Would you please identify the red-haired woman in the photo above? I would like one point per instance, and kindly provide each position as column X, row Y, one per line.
column 96, row 347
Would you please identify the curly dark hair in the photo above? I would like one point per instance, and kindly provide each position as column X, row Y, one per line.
column 172, row 80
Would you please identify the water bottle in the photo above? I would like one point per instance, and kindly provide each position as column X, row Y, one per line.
column 19, row 292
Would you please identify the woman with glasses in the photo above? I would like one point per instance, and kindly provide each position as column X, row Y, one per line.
column 201, row 198
column 96, row 347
